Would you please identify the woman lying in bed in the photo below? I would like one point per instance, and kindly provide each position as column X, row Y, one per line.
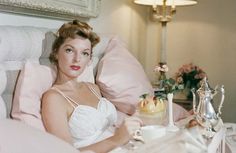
column 75, row 111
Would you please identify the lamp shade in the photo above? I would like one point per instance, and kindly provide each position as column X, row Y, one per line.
column 168, row 2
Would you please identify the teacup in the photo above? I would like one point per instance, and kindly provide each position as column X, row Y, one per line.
column 151, row 132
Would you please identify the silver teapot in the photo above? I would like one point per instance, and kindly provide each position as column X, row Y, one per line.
column 205, row 113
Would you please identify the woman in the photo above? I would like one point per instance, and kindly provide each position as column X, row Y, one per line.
column 75, row 111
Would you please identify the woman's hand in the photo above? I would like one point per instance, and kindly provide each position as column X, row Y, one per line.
column 127, row 129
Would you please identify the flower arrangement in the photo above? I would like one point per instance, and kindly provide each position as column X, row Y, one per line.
column 168, row 85
column 189, row 75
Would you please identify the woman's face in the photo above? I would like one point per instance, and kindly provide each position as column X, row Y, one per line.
column 73, row 57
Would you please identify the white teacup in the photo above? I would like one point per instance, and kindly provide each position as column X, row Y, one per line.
column 151, row 132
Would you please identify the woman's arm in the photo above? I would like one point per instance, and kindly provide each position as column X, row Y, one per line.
column 121, row 136
column 104, row 146
column 54, row 115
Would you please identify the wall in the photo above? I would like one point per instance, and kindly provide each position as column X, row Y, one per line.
column 204, row 34
column 125, row 19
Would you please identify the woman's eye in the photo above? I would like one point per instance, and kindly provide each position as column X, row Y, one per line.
column 69, row 50
column 85, row 53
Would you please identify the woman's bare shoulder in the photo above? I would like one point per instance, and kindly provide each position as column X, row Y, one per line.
column 53, row 100
column 52, row 96
column 94, row 86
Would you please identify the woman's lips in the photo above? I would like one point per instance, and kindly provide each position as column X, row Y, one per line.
column 74, row 67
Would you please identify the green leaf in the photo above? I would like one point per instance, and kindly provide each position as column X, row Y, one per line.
column 144, row 95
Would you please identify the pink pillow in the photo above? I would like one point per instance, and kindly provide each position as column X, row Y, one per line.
column 20, row 138
column 121, row 77
column 33, row 81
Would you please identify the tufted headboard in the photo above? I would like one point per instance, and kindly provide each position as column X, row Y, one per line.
column 21, row 43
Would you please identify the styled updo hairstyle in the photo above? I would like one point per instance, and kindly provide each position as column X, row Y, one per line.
column 72, row 30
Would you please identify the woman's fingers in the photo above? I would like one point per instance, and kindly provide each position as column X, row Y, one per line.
column 133, row 124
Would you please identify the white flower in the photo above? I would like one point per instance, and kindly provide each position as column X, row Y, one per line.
column 163, row 68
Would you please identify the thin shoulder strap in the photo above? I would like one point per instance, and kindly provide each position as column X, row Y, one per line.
column 93, row 90
column 71, row 101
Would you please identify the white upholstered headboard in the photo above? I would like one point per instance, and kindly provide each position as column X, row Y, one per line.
column 21, row 43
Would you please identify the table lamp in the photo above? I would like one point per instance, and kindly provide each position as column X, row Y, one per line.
column 163, row 10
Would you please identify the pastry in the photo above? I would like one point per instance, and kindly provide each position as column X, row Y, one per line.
column 151, row 105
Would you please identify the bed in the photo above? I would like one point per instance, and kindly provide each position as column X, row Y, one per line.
column 24, row 52
column 25, row 73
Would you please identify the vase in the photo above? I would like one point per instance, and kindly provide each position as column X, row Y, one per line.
column 171, row 126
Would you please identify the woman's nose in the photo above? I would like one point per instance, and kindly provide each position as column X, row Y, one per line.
column 77, row 57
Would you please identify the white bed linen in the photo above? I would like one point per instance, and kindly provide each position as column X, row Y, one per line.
column 183, row 141
column 230, row 137
column 17, row 137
